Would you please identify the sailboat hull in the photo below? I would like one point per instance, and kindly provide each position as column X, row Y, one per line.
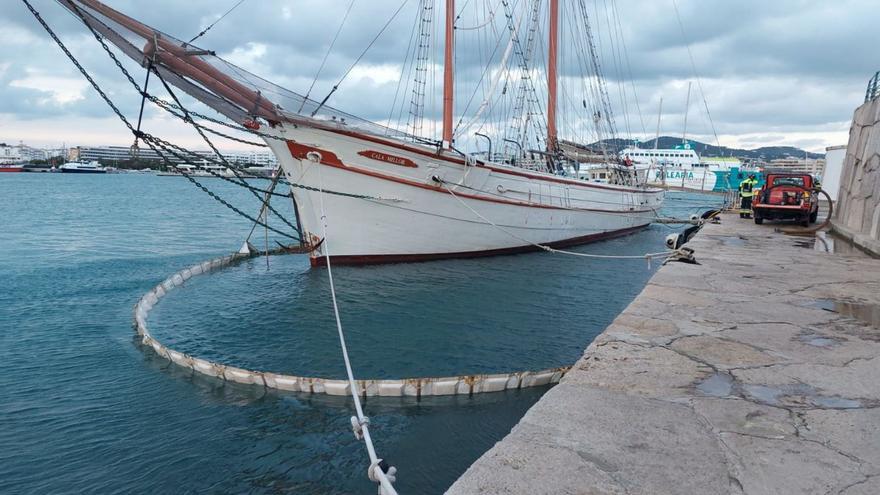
column 386, row 201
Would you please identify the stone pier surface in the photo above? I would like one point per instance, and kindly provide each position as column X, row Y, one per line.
column 756, row 371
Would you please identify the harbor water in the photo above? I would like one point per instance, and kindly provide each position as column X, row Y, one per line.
column 86, row 410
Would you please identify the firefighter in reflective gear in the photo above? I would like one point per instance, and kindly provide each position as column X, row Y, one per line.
column 746, row 192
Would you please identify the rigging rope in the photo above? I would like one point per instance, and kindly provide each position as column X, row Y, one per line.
column 186, row 118
column 168, row 105
column 474, row 28
column 370, row 45
column 379, row 470
column 215, row 22
column 327, row 54
column 404, row 79
column 488, row 94
column 423, row 47
column 632, row 79
column 226, row 162
column 696, row 74
column 147, row 138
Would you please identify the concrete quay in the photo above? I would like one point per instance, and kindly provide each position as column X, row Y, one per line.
column 756, row 371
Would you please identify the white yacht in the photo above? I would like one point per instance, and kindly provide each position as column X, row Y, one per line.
column 92, row 167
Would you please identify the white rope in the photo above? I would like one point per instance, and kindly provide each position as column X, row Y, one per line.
column 655, row 218
column 647, row 256
column 360, row 423
column 473, row 28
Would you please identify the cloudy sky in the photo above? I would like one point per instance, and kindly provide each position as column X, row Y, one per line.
column 772, row 72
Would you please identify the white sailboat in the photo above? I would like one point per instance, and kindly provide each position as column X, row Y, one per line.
column 389, row 195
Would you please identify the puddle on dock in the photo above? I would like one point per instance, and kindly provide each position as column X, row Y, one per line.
column 717, row 385
column 820, row 341
column 797, row 394
column 836, row 403
column 826, row 242
column 730, row 240
column 868, row 314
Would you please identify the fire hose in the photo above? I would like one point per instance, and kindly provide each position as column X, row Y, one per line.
column 815, row 228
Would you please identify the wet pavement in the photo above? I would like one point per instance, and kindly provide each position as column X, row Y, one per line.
column 756, row 371
column 826, row 241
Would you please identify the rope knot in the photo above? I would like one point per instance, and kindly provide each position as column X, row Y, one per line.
column 389, row 471
column 357, row 426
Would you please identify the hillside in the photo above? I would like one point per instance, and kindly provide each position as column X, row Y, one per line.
column 708, row 150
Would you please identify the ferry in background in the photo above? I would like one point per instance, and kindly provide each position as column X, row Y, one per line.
column 261, row 172
column 9, row 167
column 681, row 167
column 203, row 170
column 92, row 167
column 206, row 169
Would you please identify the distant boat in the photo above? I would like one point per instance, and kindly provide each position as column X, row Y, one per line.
column 267, row 172
column 83, row 168
column 203, row 170
column 681, row 167
column 8, row 167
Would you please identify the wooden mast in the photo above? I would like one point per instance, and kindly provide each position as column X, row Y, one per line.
column 552, row 75
column 448, row 73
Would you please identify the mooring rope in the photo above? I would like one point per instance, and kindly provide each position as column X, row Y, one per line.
column 379, row 471
column 646, row 256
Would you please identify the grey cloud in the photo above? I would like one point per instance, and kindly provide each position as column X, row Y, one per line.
column 766, row 66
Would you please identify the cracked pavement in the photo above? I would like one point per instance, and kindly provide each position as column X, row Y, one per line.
column 756, row 371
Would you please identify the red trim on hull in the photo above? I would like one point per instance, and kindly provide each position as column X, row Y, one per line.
column 301, row 151
column 376, row 259
column 11, row 169
column 459, row 161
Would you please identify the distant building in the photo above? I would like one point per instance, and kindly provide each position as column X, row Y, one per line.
column 108, row 155
column 9, row 154
column 813, row 166
column 21, row 153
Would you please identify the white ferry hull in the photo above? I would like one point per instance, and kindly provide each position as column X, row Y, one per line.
column 696, row 179
column 82, row 171
column 408, row 216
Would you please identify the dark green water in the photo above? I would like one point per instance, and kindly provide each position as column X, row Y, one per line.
column 85, row 410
